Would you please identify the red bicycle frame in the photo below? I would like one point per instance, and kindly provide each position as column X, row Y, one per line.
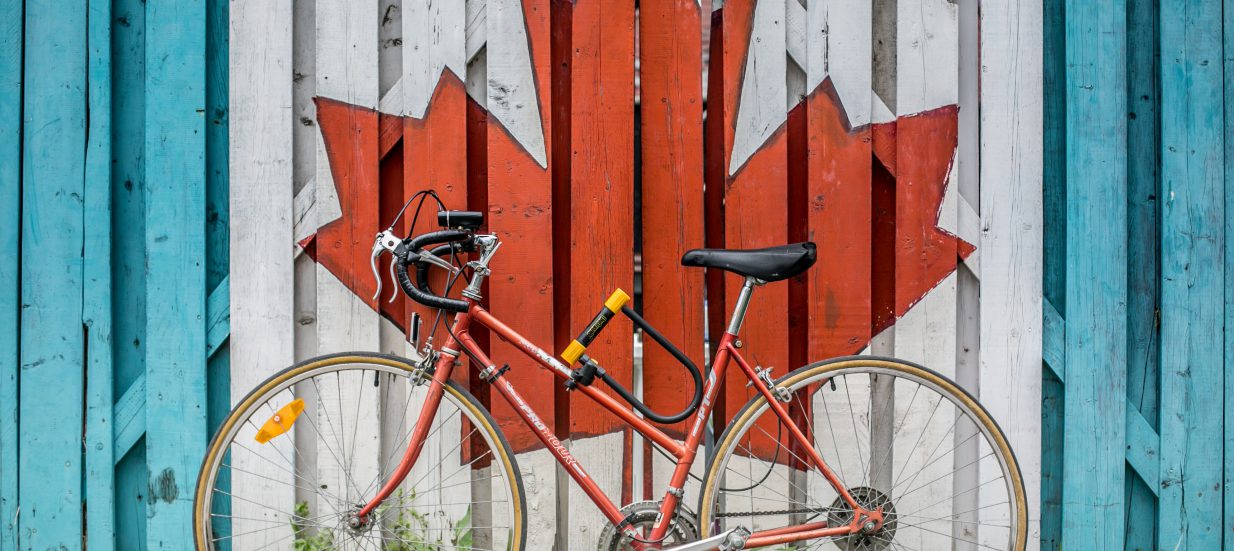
column 684, row 453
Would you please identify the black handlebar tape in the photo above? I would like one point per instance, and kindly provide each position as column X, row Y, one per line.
column 401, row 255
column 615, row 302
column 440, row 251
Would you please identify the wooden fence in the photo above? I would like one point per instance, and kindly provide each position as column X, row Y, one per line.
column 1139, row 304
column 603, row 140
column 113, row 271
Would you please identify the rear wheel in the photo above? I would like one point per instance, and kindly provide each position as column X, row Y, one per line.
column 898, row 436
column 304, row 451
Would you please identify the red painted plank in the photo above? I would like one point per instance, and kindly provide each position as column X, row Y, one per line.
column 840, row 222
column 601, row 190
column 435, row 157
column 670, row 51
column 520, row 213
column 755, row 211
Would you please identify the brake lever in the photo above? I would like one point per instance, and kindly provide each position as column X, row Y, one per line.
column 385, row 241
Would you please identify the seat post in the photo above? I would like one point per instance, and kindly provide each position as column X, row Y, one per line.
column 743, row 300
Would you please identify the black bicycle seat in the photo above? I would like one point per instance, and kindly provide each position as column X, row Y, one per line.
column 770, row 264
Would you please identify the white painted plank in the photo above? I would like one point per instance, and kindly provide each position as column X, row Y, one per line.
column 434, row 41
column 762, row 107
column 1011, row 238
column 927, row 64
column 347, row 62
column 512, row 99
column 839, row 35
column 261, row 227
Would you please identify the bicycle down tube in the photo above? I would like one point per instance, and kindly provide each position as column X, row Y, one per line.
column 684, row 453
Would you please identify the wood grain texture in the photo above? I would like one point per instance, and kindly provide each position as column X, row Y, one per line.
column 670, row 56
column 755, row 196
column 96, row 292
column 601, row 208
column 1143, row 254
column 175, row 236
column 52, row 343
column 1096, row 283
column 262, row 286
column 1228, row 519
column 1011, row 234
column 1192, row 233
column 10, row 266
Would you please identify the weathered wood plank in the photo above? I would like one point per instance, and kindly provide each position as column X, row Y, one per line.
column 1143, row 252
column 1229, row 261
column 517, row 94
column 52, row 343
column 754, row 180
column 175, row 211
column 1053, row 340
column 100, row 465
column 129, row 417
column 260, row 293
column 601, row 213
column 1096, row 278
column 670, row 55
column 10, row 266
column 1011, row 236
column 348, row 90
column 218, row 316
column 129, row 252
column 1192, row 275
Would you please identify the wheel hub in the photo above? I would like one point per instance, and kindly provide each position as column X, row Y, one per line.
column 871, row 537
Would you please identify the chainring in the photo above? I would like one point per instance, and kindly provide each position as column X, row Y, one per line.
column 642, row 516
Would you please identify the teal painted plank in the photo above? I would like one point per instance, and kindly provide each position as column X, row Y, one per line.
column 176, row 273
column 217, row 218
column 1053, row 340
column 1054, row 220
column 10, row 269
column 129, row 415
column 96, row 293
column 1052, row 403
column 52, row 368
column 1096, row 279
column 1143, row 453
column 1229, row 262
column 1192, row 275
column 218, row 322
column 128, row 250
column 1143, row 126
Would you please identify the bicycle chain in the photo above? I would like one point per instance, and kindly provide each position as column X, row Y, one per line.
column 779, row 512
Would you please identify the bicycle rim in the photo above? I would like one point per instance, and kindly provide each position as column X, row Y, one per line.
column 898, row 436
column 299, row 488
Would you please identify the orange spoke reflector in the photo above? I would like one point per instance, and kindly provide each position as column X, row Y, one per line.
column 281, row 422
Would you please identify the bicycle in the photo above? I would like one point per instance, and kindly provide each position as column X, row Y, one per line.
column 467, row 492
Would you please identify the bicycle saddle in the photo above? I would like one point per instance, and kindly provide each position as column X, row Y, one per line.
column 770, row 264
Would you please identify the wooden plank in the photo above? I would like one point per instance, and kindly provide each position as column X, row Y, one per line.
column 218, row 316
column 347, row 89
column 1229, row 261
column 1143, row 253
column 755, row 177
column 434, row 123
column 1053, row 340
column 518, row 68
column 839, row 196
column 176, row 430
column 10, row 267
column 260, row 294
column 51, row 392
column 925, row 250
column 1192, row 233
column 600, row 207
column 128, row 252
column 100, row 515
column 671, row 87
column 1143, row 452
column 129, row 417
column 1011, row 238
column 1096, row 279
column 1054, row 144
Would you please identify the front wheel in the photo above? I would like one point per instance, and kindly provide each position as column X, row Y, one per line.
column 306, row 449
column 897, row 435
